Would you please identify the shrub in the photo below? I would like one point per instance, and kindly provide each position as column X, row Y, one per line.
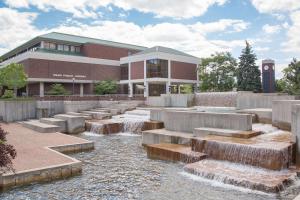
column 7, row 153
column 106, row 87
column 8, row 94
column 58, row 89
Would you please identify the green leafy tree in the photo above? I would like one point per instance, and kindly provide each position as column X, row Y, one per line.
column 291, row 80
column 8, row 94
column 106, row 87
column 58, row 89
column 13, row 76
column 217, row 73
column 248, row 73
column 186, row 89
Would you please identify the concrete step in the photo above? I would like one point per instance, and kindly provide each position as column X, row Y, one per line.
column 85, row 116
column 157, row 136
column 275, row 154
column 75, row 124
column 203, row 131
column 97, row 115
column 241, row 175
column 57, row 122
column 36, row 125
column 138, row 112
column 173, row 152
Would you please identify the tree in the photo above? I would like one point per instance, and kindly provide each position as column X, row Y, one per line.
column 186, row 89
column 291, row 78
column 13, row 76
column 248, row 73
column 217, row 73
column 7, row 153
column 58, row 89
column 106, row 87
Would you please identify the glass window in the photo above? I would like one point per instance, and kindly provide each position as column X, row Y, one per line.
column 157, row 68
column 72, row 48
column 66, row 48
column 46, row 45
column 77, row 49
column 124, row 72
column 60, row 47
column 52, row 45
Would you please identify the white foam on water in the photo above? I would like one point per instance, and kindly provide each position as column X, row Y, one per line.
column 128, row 134
column 265, row 128
column 91, row 134
column 224, row 185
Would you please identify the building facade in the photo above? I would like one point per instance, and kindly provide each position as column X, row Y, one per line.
column 79, row 62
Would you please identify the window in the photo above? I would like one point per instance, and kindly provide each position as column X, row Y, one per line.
column 157, row 68
column 66, row 48
column 52, row 46
column 124, row 72
column 46, row 45
column 72, row 48
column 77, row 49
column 60, row 47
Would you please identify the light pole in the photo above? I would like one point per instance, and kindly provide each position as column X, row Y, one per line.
column 73, row 84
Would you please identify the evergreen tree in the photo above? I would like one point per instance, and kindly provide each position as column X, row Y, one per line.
column 248, row 73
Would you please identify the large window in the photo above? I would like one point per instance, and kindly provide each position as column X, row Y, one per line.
column 157, row 68
column 124, row 72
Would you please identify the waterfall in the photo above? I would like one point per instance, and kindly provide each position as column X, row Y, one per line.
column 96, row 128
column 133, row 125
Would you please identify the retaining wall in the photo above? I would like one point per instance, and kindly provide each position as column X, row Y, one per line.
column 171, row 100
column 186, row 121
column 282, row 113
column 246, row 100
column 11, row 111
column 218, row 99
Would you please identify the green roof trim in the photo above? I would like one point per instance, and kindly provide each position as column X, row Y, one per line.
column 71, row 39
column 164, row 50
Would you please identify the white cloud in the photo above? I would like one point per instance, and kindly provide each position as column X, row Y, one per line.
column 269, row 29
column 190, row 38
column 87, row 8
column 293, row 40
column 271, row 6
column 16, row 28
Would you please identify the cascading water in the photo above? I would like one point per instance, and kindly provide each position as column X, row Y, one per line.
column 133, row 125
column 96, row 128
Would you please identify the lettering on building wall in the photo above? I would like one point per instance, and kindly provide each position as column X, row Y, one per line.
column 68, row 76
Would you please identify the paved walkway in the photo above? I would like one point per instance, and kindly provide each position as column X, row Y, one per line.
column 31, row 146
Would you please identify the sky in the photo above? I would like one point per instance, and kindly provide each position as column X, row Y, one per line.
column 197, row 27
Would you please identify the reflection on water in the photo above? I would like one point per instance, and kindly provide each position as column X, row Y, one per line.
column 119, row 169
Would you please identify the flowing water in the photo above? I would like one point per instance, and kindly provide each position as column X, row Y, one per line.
column 118, row 168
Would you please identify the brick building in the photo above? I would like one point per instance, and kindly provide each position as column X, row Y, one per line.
column 79, row 62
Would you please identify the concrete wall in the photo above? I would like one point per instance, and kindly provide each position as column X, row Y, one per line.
column 296, row 130
column 219, row 99
column 171, row 100
column 282, row 113
column 186, row 121
column 50, row 107
column 11, row 111
column 247, row 100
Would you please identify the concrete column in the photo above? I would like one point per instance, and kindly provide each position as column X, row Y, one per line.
column 146, row 93
column 168, row 87
column 81, row 89
column 129, row 71
column 198, row 81
column 296, row 130
column 130, row 87
column 41, row 89
column 27, row 90
column 169, row 77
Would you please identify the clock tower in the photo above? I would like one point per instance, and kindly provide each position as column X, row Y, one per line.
column 268, row 76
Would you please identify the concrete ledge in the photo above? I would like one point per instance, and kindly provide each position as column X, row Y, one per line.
column 187, row 121
column 164, row 136
column 201, row 132
column 62, row 124
column 75, row 124
column 282, row 113
column 264, row 115
column 36, row 125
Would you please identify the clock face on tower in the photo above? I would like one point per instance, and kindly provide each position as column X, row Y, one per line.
column 266, row 67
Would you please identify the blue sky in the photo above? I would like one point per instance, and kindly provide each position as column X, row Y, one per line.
column 196, row 27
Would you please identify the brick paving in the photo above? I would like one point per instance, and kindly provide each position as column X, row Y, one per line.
column 31, row 146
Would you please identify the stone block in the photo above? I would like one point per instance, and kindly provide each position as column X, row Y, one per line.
column 36, row 125
column 58, row 122
column 75, row 124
